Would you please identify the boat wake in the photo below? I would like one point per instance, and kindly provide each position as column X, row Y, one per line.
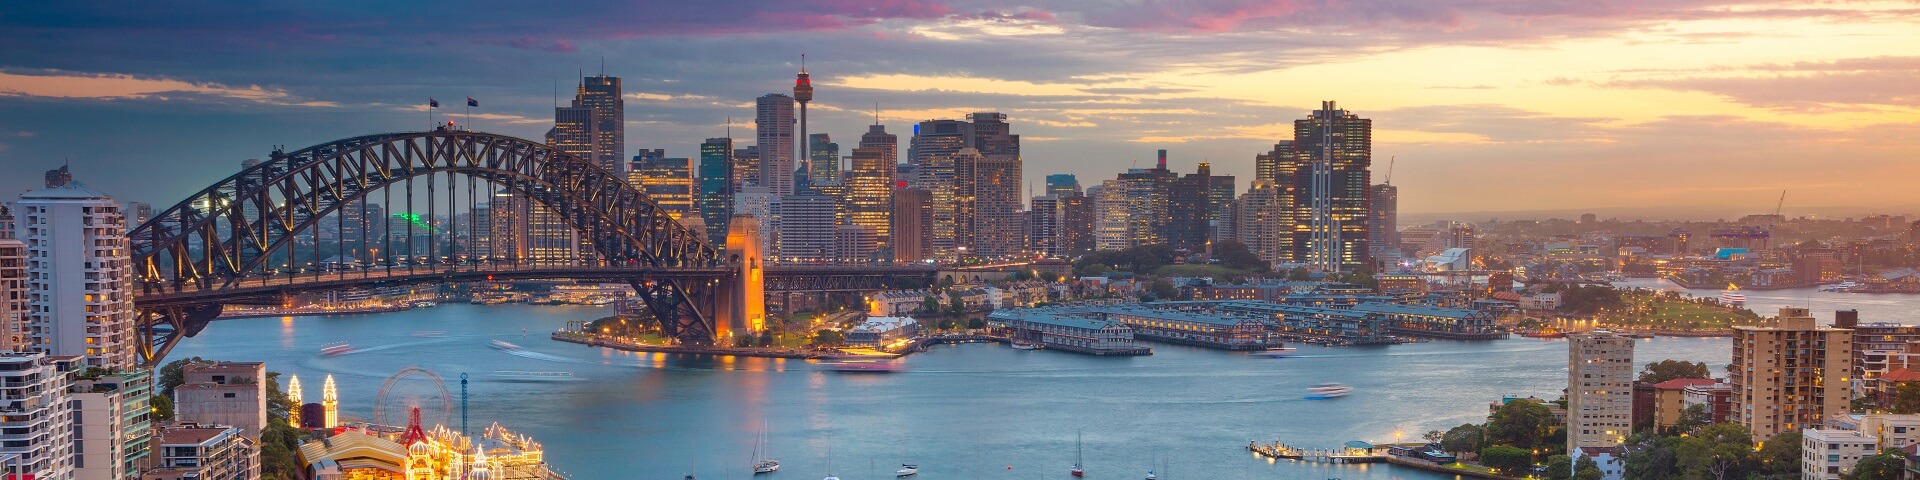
column 546, row 357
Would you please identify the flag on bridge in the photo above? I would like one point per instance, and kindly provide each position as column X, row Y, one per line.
column 431, row 103
column 472, row 103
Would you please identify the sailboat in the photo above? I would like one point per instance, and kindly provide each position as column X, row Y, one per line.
column 830, row 458
column 762, row 458
column 906, row 469
column 1077, row 458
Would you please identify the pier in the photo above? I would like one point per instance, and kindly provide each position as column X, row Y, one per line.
column 1355, row 452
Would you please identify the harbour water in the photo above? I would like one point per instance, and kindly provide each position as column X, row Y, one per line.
column 1873, row 307
column 966, row 411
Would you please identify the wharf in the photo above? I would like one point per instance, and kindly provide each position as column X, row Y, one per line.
column 1446, row 335
column 1338, row 341
column 592, row 341
column 1361, row 452
column 921, row 344
column 1153, row 336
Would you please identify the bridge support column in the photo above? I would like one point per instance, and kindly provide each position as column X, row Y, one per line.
column 742, row 299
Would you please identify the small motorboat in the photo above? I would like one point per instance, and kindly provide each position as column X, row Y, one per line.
column 430, row 333
column 907, row 470
column 1275, row 352
column 1023, row 345
column 1151, row 476
column 1326, row 391
column 335, row 349
column 504, row 346
column 864, row 366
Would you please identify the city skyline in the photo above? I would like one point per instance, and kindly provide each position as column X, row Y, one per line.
column 1523, row 106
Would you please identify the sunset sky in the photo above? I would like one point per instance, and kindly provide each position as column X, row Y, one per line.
column 1489, row 105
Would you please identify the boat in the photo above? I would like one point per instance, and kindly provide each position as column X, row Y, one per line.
column 1840, row 287
column 523, row 376
column 1151, row 476
column 504, row 346
column 830, row 458
column 762, row 463
column 430, row 333
column 335, row 349
column 1077, row 470
column 1732, row 296
column 907, row 470
column 864, row 366
column 1328, row 391
column 1275, row 352
column 1024, row 345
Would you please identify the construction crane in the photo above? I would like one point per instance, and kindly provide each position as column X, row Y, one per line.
column 1390, row 162
column 1775, row 218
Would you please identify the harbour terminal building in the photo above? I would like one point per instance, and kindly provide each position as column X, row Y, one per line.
column 1059, row 329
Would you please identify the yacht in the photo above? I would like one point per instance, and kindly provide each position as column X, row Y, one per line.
column 1275, row 352
column 1078, row 460
column 763, row 461
column 1023, row 345
column 1733, row 297
column 907, row 470
column 503, row 345
column 1326, row 391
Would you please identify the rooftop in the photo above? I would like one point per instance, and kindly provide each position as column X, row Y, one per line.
column 1682, row 383
column 73, row 190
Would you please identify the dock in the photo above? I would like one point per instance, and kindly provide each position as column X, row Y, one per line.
column 1354, row 452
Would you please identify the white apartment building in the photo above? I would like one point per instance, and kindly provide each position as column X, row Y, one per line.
column 1828, row 454
column 79, row 275
column 36, row 416
column 112, row 425
column 1599, row 389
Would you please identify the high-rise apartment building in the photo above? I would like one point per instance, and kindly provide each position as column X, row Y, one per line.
column 1262, row 223
column 746, row 167
column 1076, row 223
column 912, row 216
column 592, row 127
column 189, row 451
column 1383, row 221
column 1194, row 202
column 59, row 176
column 1789, row 376
column 79, row 275
column 990, row 186
column 14, row 323
column 112, row 426
column 1112, row 216
column 807, row 228
column 716, row 187
column 1336, row 147
column 1043, row 226
column 758, row 201
column 773, row 123
column 478, row 240
column 1599, row 389
column 668, row 181
column 878, row 138
column 39, row 435
column 138, row 213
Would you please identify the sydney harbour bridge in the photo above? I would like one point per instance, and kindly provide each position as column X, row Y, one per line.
column 245, row 239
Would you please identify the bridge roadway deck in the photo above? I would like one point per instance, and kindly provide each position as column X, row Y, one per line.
column 268, row 290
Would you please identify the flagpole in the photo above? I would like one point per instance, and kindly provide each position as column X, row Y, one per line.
column 469, row 114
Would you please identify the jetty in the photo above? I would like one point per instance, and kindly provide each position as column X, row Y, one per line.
column 1353, row 452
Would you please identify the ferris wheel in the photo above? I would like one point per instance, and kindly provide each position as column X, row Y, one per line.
column 410, row 388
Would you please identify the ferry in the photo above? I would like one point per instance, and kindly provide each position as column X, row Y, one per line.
column 1326, row 391
column 1275, row 352
column 430, row 333
column 864, row 366
column 520, row 376
column 424, row 304
column 335, row 349
column 1022, row 345
column 1732, row 296
column 504, row 346
column 907, row 470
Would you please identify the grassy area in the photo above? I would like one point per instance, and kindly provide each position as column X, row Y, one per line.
column 1671, row 312
column 1215, row 271
column 1469, row 466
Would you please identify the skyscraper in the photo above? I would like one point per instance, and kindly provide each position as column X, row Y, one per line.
column 823, row 159
column 1599, row 389
column 14, row 291
column 1062, row 184
column 716, row 187
column 1194, row 202
column 1383, row 221
column 1789, row 376
column 869, row 197
column 773, row 124
column 912, row 216
column 1337, row 147
column 1262, row 223
column 990, row 188
column 1043, row 226
column 80, row 277
column 668, row 181
column 746, row 167
column 1076, row 224
column 1111, row 217
column 58, row 176
column 807, row 228
column 602, row 94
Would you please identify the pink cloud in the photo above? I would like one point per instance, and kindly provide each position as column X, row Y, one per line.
column 529, row 43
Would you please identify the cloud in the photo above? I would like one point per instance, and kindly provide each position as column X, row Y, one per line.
column 529, row 43
column 1850, row 84
column 23, row 134
column 108, row 86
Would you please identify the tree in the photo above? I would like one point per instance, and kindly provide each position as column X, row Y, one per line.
column 1299, row 273
column 1779, row 457
column 1162, row 289
column 174, row 374
column 1906, row 398
column 1665, row 370
column 1462, row 440
column 1235, row 255
column 162, row 407
column 1559, row 467
column 1505, row 459
column 1652, row 458
column 1589, row 472
column 1692, row 418
column 929, row 305
column 955, row 306
column 829, row 338
column 1719, row 451
column 279, row 441
column 1520, row 423
column 1434, row 436
column 766, row 338
column 1886, row 465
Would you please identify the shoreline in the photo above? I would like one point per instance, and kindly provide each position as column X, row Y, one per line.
column 699, row 350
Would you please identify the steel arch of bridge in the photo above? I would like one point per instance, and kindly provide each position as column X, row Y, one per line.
column 224, row 237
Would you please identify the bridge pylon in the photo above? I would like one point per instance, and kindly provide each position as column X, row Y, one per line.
column 741, row 299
